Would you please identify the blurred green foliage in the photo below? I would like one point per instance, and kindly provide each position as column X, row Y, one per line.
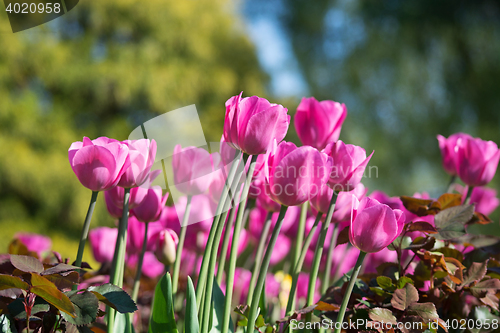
column 101, row 70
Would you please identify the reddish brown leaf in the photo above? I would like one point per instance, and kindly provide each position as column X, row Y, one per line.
column 423, row 227
column 8, row 282
column 322, row 306
column 448, row 200
column 343, row 237
column 402, row 298
column 49, row 292
column 420, row 207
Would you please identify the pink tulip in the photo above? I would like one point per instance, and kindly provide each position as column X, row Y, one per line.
column 193, row 168
column 263, row 197
column 99, row 164
column 484, row 198
column 344, row 257
column 164, row 243
column 373, row 260
column 319, row 123
column 242, row 243
column 35, row 242
column 150, row 208
column 142, row 156
column 294, row 175
column 135, row 235
column 151, row 267
column 252, row 124
column 343, row 205
column 102, row 241
column 349, row 163
column 273, row 286
column 476, row 160
column 281, row 250
column 302, row 286
column 374, row 225
column 258, row 217
column 447, row 147
column 113, row 210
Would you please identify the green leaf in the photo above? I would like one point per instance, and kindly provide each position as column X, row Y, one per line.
column 120, row 325
column 191, row 321
column 162, row 316
column 402, row 298
column 86, row 306
column 26, row 263
column 426, row 311
column 7, row 324
column 404, row 242
column 386, row 283
column 382, row 315
column 115, row 297
column 482, row 314
column 49, row 292
column 260, row 321
column 403, row 281
column 476, row 272
column 9, row 281
column 218, row 303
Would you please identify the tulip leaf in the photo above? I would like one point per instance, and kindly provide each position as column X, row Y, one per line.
column 192, row 325
column 9, row 281
column 162, row 314
column 86, row 306
column 382, row 315
column 49, row 292
column 402, row 298
column 218, row 304
column 426, row 311
column 26, row 263
column 115, row 297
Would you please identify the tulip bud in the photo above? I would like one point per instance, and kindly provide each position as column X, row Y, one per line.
column 142, row 156
column 447, row 147
column 319, row 123
column 166, row 247
column 476, row 160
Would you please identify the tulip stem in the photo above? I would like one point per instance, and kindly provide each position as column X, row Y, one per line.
column 180, row 246
column 117, row 267
column 350, row 286
column 469, row 193
column 202, row 277
column 85, row 230
column 234, row 247
column 137, row 279
column 328, row 268
column 225, row 244
column 259, row 254
column 298, row 266
column 254, row 306
column 300, row 233
column 451, row 184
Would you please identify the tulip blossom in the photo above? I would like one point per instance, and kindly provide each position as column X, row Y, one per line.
column 374, row 225
column 252, row 124
column 476, row 160
column 193, row 168
column 102, row 240
column 35, row 242
column 263, row 198
column 342, row 211
column 142, row 156
column 135, row 237
column 99, row 164
column 447, row 147
column 349, row 163
column 166, row 246
column 294, row 175
column 319, row 123
column 150, row 208
column 484, row 198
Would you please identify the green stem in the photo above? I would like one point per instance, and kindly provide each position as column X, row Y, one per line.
column 202, row 277
column 234, row 247
column 258, row 255
column 85, row 230
column 451, row 184
column 117, row 267
column 254, row 306
column 225, row 244
column 180, row 246
column 313, row 275
column 290, row 306
column 350, row 286
column 137, row 279
column 469, row 193
column 328, row 269
column 300, row 233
